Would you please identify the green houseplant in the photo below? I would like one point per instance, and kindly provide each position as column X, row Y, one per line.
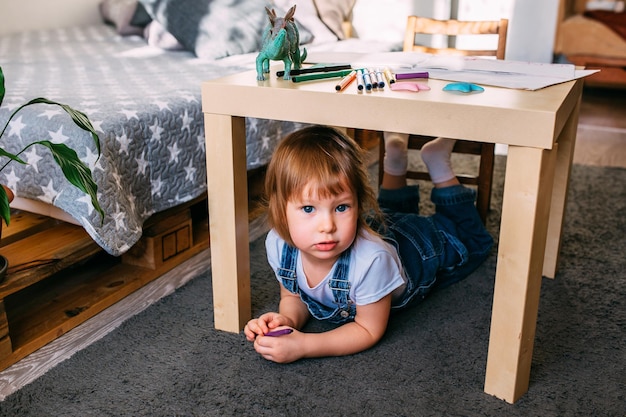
column 74, row 170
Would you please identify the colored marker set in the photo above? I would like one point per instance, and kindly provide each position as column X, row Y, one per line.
column 373, row 79
column 367, row 79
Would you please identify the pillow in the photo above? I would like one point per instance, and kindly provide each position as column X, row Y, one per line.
column 157, row 36
column 215, row 29
column 128, row 16
column 306, row 15
column 333, row 13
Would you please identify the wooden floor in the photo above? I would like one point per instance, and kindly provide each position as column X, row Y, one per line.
column 601, row 142
column 601, row 138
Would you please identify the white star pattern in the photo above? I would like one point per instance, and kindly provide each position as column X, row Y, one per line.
column 120, row 218
column 32, row 158
column 49, row 193
column 130, row 114
column 201, row 143
column 123, row 141
column 162, row 105
column 142, row 164
column 191, row 171
column 186, row 121
column 266, row 142
column 174, row 152
column 90, row 159
column 189, row 97
column 87, row 200
column 58, row 136
column 11, row 180
column 156, row 132
column 157, row 184
column 50, row 113
column 97, row 125
column 16, row 126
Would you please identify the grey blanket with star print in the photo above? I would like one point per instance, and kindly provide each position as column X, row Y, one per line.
column 145, row 104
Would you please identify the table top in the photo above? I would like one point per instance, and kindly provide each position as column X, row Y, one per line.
column 498, row 115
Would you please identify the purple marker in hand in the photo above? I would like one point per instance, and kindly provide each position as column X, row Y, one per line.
column 276, row 333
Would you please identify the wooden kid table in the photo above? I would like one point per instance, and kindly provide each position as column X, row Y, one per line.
column 539, row 127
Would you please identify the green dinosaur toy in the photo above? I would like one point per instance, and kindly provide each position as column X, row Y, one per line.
column 281, row 42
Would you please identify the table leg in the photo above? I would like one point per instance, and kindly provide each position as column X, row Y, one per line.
column 228, row 220
column 521, row 251
column 566, row 141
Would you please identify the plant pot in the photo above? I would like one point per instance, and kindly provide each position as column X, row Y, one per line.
column 4, row 263
column 4, row 266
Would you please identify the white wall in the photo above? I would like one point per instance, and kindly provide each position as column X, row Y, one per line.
column 532, row 23
column 17, row 15
column 532, row 30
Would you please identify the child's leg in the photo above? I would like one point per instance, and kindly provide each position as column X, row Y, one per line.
column 436, row 155
column 396, row 160
column 457, row 216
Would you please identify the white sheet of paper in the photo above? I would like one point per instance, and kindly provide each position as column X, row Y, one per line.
column 485, row 71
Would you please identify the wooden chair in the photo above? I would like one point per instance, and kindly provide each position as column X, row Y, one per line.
column 453, row 29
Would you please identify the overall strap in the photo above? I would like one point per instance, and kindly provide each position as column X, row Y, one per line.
column 339, row 283
column 287, row 269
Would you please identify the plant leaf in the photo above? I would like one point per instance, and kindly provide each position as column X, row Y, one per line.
column 5, row 210
column 11, row 156
column 80, row 119
column 2, row 89
column 74, row 170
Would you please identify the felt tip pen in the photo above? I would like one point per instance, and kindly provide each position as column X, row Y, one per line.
column 359, row 80
column 373, row 79
column 311, row 70
column 281, row 332
column 320, row 76
column 379, row 78
column 346, row 81
column 407, row 75
column 367, row 80
column 389, row 76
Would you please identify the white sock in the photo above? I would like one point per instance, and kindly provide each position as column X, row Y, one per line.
column 436, row 156
column 396, row 153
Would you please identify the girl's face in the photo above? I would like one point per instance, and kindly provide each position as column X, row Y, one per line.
column 322, row 228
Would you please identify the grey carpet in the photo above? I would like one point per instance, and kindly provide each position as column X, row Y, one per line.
column 170, row 361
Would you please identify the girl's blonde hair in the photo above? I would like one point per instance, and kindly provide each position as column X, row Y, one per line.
column 319, row 155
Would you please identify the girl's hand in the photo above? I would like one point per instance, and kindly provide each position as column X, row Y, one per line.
column 265, row 323
column 282, row 349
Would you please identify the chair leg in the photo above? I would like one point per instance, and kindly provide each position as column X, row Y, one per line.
column 485, row 180
column 381, row 158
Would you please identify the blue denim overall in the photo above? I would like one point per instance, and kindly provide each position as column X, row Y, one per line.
column 436, row 250
column 345, row 310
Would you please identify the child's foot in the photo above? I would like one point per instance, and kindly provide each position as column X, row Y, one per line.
column 436, row 156
column 396, row 153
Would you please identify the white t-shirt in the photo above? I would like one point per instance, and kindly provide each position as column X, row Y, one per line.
column 375, row 270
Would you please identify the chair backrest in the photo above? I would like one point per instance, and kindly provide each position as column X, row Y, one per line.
column 421, row 25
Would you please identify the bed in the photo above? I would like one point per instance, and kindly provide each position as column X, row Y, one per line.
column 593, row 34
column 138, row 78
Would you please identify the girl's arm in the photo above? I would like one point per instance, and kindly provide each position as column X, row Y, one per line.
column 367, row 329
column 292, row 312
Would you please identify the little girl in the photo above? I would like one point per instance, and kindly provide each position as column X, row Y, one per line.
column 339, row 257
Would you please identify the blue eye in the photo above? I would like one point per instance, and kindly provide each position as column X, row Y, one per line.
column 308, row 209
column 342, row 207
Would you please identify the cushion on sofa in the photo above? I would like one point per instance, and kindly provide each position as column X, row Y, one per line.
column 128, row 16
column 215, row 29
column 306, row 15
column 333, row 13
